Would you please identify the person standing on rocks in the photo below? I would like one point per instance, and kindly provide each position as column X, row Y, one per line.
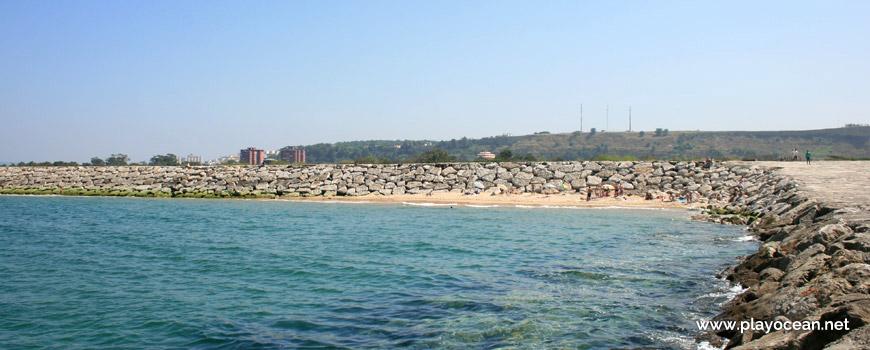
column 808, row 157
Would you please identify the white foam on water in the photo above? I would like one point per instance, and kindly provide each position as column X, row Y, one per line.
column 705, row 345
column 681, row 341
column 547, row 206
column 429, row 204
column 731, row 293
column 728, row 293
column 316, row 201
column 746, row 238
column 481, row 206
column 349, row 202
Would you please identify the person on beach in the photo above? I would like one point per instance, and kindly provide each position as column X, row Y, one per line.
column 589, row 194
column 794, row 155
column 808, row 157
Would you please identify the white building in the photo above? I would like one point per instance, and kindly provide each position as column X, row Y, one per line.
column 486, row 155
column 191, row 158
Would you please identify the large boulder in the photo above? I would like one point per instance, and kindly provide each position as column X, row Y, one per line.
column 593, row 180
column 522, row 179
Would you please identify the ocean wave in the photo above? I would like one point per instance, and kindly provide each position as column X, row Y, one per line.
column 679, row 340
column 349, row 202
column 726, row 294
column 705, row 345
column 319, row 201
column 426, row 204
column 545, row 206
column 481, row 206
column 746, row 238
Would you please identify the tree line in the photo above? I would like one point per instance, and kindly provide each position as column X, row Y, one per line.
column 115, row 159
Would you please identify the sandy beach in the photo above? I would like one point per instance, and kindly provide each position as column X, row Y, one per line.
column 525, row 199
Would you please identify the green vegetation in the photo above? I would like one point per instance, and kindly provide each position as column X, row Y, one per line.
column 614, row 158
column 131, row 193
column 435, row 156
column 273, row 161
column 117, row 159
column 373, row 160
column 838, row 157
column 732, row 216
column 508, row 156
column 168, row 159
column 57, row 163
column 853, row 142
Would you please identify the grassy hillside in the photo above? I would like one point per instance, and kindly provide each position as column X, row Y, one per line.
column 851, row 142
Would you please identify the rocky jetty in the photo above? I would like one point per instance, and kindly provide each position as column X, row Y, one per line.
column 678, row 178
column 813, row 265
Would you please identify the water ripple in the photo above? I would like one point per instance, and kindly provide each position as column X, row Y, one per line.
column 178, row 274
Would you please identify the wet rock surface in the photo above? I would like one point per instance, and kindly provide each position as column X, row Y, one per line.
column 814, row 261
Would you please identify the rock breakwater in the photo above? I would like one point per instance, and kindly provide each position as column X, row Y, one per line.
column 813, row 265
column 678, row 178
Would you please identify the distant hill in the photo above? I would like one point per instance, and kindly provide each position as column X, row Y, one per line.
column 847, row 142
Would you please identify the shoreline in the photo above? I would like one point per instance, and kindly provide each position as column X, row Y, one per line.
column 515, row 200
column 525, row 200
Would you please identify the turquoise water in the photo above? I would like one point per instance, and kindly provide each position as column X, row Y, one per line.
column 171, row 273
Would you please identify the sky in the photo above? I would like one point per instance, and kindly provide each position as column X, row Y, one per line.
column 80, row 79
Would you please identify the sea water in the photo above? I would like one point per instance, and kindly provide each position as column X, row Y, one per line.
column 134, row 273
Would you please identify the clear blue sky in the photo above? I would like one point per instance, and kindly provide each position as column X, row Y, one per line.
column 89, row 78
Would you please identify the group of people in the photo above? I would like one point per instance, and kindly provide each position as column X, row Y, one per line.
column 599, row 192
column 705, row 164
column 686, row 196
column 795, row 156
